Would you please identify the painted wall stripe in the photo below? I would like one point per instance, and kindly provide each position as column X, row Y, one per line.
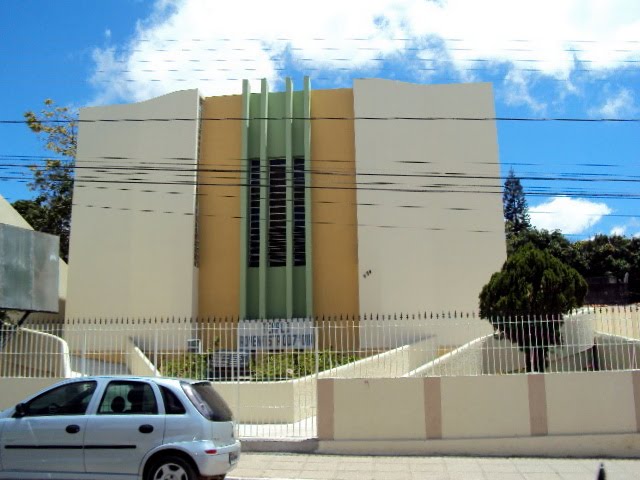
column 433, row 407
column 325, row 414
column 537, row 405
column 635, row 377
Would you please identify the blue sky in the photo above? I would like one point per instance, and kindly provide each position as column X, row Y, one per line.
column 546, row 59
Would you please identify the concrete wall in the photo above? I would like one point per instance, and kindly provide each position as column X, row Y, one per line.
column 113, row 336
column 624, row 322
column 14, row 390
column 34, row 354
column 437, row 237
column 133, row 219
column 137, row 362
column 504, row 414
column 617, row 353
column 447, row 329
column 465, row 360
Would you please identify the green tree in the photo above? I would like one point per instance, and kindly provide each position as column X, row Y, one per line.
column 516, row 212
column 614, row 255
column 604, row 254
column 634, row 268
column 554, row 243
column 50, row 210
column 525, row 301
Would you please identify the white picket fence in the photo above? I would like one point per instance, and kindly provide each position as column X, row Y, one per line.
column 267, row 370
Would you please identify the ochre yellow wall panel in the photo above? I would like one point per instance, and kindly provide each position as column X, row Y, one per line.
column 219, row 208
column 335, row 232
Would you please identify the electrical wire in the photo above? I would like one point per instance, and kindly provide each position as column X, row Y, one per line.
column 336, row 118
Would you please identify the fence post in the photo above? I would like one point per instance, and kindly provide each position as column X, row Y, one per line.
column 84, row 353
column 237, row 336
column 317, row 349
column 155, row 352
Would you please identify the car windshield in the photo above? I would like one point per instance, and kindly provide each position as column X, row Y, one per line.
column 208, row 402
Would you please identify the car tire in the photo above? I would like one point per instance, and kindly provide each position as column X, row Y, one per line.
column 171, row 467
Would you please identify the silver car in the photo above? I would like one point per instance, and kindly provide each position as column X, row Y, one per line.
column 119, row 427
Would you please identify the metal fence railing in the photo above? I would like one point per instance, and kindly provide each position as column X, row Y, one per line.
column 267, row 370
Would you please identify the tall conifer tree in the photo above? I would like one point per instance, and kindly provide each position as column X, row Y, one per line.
column 516, row 211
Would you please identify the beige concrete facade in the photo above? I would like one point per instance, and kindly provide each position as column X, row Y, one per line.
column 133, row 222
column 443, row 233
column 134, row 228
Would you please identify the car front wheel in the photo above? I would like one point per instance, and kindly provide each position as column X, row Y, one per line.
column 171, row 468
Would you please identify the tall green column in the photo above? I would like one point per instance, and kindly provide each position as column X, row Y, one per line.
column 264, row 197
column 309, row 192
column 288, row 108
column 244, row 192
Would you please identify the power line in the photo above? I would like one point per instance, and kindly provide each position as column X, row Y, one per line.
column 216, row 174
column 338, row 118
column 390, row 187
column 322, row 222
column 178, row 161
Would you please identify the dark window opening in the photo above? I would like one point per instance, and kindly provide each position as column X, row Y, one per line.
column 254, row 213
column 299, row 220
column 277, row 213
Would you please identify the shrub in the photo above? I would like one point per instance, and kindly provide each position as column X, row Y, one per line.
column 525, row 301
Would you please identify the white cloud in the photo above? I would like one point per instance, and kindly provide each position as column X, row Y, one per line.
column 570, row 216
column 632, row 225
column 517, row 92
column 617, row 105
column 206, row 44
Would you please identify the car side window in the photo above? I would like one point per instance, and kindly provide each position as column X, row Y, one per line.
column 123, row 397
column 172, row 404
column 69, row 399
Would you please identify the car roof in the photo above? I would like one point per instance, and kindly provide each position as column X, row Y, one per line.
column 158, row 380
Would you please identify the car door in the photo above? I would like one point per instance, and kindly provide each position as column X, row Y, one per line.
column 47, row 433
column 126, row 425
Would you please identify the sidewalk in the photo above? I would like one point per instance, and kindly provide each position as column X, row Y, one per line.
column 333, row 467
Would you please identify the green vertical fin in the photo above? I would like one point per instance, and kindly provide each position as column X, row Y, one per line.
column 309, row 193
column 244, row 189
column 264, row 206
column 288, row 108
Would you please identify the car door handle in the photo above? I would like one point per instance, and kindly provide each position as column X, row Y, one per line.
column 72, row 428
column 146, row 428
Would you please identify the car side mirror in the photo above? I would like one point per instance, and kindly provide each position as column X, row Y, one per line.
column 21, row 410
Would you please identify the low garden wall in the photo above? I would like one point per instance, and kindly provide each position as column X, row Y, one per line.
column 501, row 414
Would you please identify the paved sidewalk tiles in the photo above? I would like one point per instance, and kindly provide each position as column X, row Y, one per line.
column 284, row 466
